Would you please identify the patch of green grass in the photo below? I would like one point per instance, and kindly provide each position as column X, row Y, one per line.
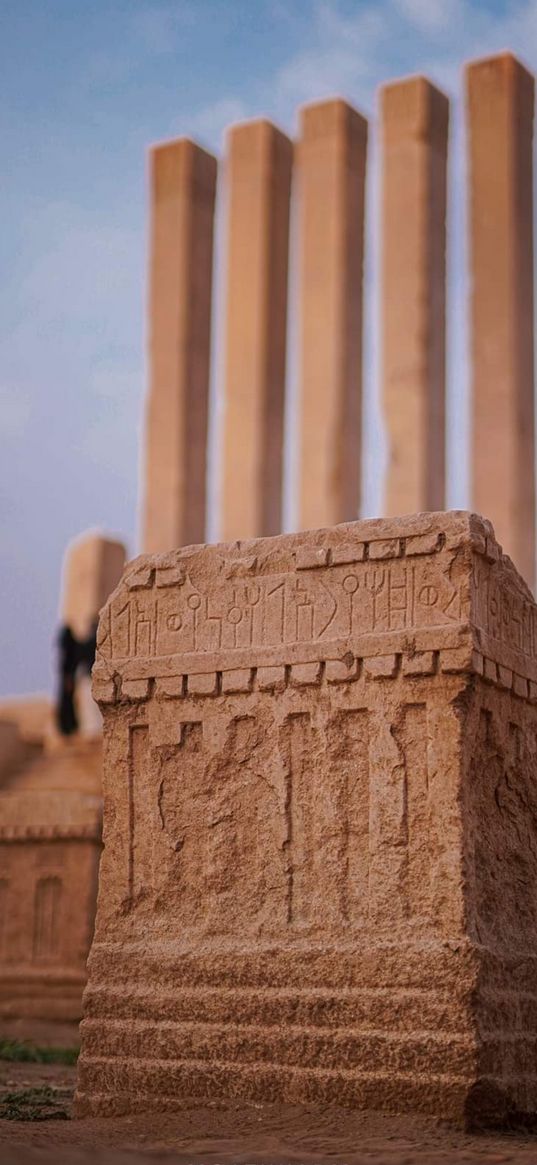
column 34, row 1104
column 24, row 1052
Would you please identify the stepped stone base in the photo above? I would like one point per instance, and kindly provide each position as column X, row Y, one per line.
column 320, row 826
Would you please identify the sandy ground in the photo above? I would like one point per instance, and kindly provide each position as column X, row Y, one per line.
column 231, row 1135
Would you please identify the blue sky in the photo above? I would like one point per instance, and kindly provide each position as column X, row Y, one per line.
column 84, row 89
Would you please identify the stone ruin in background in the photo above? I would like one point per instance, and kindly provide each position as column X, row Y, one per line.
column 320, row 859
column 51, row 820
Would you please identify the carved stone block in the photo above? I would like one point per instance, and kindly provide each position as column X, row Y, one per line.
column 318, row 880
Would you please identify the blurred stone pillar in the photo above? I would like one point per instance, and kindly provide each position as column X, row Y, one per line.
column 93, row 566
column 500, row 99
column 259, row 174
column 331, row 176
column 183, row 187
column 414, row 127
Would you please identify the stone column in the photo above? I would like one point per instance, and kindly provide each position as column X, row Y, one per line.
column 414, row 118
column 331, row 173
column 183, row 186
column 500, row 98
column 259, row 173
column 93, row 566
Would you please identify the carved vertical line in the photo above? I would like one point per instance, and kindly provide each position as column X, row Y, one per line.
column 299, row 842
column 411, row 734
column 347, row 858
column 138, row 747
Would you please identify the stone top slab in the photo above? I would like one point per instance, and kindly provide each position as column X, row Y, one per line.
column 428, row 583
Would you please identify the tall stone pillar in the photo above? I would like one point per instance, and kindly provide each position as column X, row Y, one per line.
column 92, row 569
column 93, row 566
column 500, row 99
column 183, row 186
column 259, row 171
column 414, row 119
column 331, row 173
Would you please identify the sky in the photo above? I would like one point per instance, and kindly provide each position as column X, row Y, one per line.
column 85, row 88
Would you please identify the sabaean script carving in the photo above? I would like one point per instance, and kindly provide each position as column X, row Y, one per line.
column 280, row 609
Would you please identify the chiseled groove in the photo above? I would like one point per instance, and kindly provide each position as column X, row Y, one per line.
column 276, row 992
column 207, row 1066
column 263, row 1029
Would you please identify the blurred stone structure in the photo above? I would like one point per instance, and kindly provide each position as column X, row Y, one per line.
column 183, row 187
column 320, row 826
column 50, row 819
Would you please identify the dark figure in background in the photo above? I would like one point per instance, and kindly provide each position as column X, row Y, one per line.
column 73, row 654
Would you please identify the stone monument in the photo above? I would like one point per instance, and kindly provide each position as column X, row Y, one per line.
column 50, row 843
column 320, row 833
column 51, row 817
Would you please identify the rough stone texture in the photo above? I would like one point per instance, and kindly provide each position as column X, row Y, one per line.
column 414, row 129
column 183, row 187
column 320, row 826
column 331, row 179
column 50, row 830
column 500, row 100
column 259, row 172
column 92, row 568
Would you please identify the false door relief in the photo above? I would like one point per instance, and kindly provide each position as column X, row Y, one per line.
column 287, row 814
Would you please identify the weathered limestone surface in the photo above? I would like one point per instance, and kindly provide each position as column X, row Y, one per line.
column 318, row 880
column 259, row 170
column 50, row 842
column 183, row 188
column 414, row 128
column 331, row 162
column 500, row 101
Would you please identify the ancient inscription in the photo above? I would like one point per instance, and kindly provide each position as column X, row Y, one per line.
column 503, row 612
column 309, row 606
